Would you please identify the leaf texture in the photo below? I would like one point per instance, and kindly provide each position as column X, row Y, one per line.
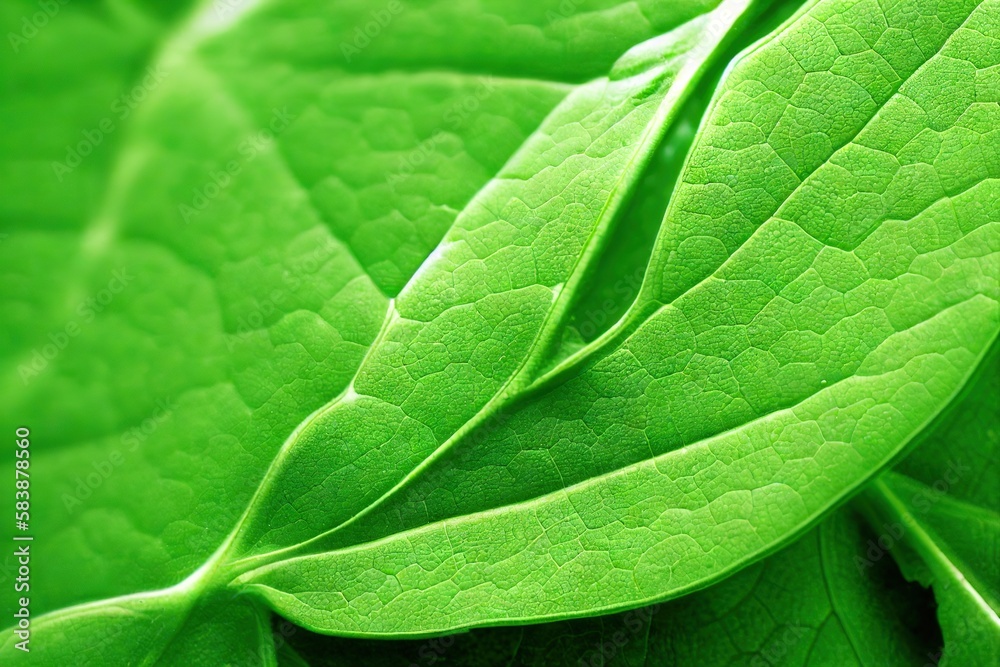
column 526, row 324
column 714, row 422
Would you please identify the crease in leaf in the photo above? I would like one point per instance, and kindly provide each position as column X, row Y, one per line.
column 504, row 276
column 823, row 286
column 805, row 363
column 567, row 216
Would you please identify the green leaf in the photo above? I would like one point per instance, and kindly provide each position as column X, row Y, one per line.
column 178, row 626
column 834, row 597
column 309, row 306
column 804, row 315
column 237, row 325
column 377, row 245
column 482, row 313
column 807, row 605
column 945, row 502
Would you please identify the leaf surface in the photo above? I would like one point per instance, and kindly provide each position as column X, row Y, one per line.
column 836, row 596
column 807, row 605
column 802, row 319
column 394, row 281
column 482, row 313
column 944, row 499
column 310, row 306
column 237, row 323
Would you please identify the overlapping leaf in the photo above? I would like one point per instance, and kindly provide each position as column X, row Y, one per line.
column 823, row 284
column 818, row 294
column 836, row 595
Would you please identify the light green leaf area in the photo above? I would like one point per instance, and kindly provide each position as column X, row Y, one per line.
column 170, row 627
column 248, row 302
column 307, row 333
column 824, row 283
column 835, row 597
column 483, row 311
column 944, row 500
column 808, row 605
column 618, row 274
column 166, row 329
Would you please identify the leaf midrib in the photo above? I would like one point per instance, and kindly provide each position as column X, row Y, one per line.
column 602, row 346
column 680, row 87
column 835, row 612
column 242, row 570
